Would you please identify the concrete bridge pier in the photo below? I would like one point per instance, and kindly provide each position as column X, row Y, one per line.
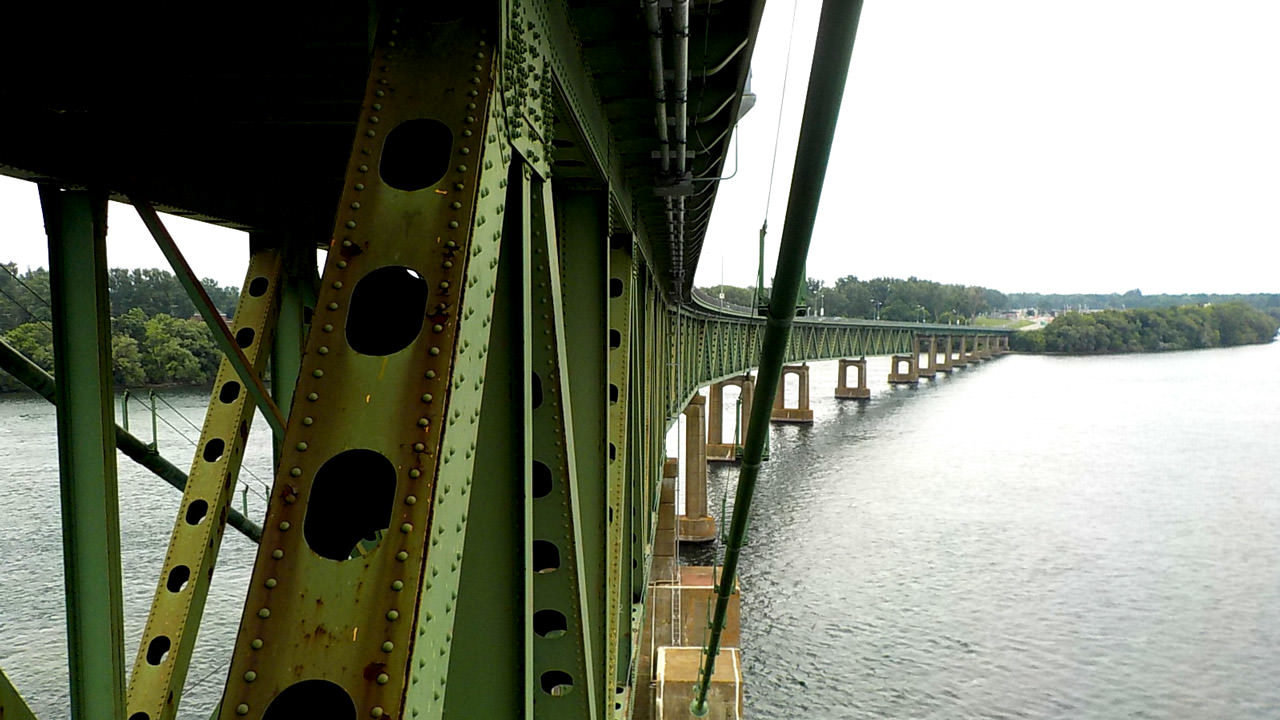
column 946, row 365
column 801, row 414
column 717, row 449
column 930, row 366
column 1002, row 345
column 696, row 524
column 962, row 353
column 858, row 392
column 984, row 347
column 666, row 560
column 973, row 356
column 899, row 376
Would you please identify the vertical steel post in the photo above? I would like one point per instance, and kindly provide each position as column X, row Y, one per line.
column 837, row 29
column 76, row 223
column 297, row 274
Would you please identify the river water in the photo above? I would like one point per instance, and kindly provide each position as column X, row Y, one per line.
column 1034, row 537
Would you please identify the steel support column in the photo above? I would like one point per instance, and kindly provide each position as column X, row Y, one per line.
column 76, row 222
column 582, row 236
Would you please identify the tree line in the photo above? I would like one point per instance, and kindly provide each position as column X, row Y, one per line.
column 919, row 300
column 156, row 337
column 1151, row 330
column 910, row 300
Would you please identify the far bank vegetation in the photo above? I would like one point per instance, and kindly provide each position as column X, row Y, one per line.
column 1186, row 327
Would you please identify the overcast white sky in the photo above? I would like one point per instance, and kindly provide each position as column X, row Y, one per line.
column 1094, row 146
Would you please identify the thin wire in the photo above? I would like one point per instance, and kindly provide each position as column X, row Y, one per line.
column 28, row 287
column 782, row 103
column 25, row 309
column 215, row 671
column 192, row 443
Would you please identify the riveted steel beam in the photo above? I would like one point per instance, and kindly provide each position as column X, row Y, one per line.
column 564, row 659
column 495, row 591
column 582, row 235
column 76, row 222
column 620, row 319
column 230, row 345
column 356, row 583
column 296, row 300
column 164, row 654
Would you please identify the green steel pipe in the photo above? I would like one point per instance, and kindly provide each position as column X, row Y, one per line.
column 41, row 382
column 837, row 29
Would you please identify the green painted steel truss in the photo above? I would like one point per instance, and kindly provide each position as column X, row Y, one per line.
column 467, row 483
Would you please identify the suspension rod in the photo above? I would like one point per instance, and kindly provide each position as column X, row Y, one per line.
column 836, row 31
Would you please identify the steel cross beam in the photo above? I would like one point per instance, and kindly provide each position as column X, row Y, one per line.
column 231, row 346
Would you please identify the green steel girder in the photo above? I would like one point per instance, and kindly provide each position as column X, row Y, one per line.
column 495, row 591
column 621, row 468
column 164, row 653
column 707, row 347
column 564, row 660
column 377, row 627
column 76, row 222
column 582, row 233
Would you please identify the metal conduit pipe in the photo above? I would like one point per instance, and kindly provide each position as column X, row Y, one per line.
column 837, row 29
column 653, row 17
column 680, row 28
column 42, row 383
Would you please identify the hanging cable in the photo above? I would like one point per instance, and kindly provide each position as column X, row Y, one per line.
column 773, row 161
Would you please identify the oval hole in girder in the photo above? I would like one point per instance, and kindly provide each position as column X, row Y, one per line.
column 546, row 556
column 244, row 337
column 258, row 286
column 139, row 716
column 350, row 501
column 556, row 683
column 541, row 479
column 229, row 392
column 613, row 393
column 535, row 392
column 387, row 310
column 312, row 699
column 550, row 624
column 213, row 450
column 157, row 649
column 196, row 511
column 416, row 154
column 178, row 578
column 615, row 287
column 613, row 452
column 615, row 339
